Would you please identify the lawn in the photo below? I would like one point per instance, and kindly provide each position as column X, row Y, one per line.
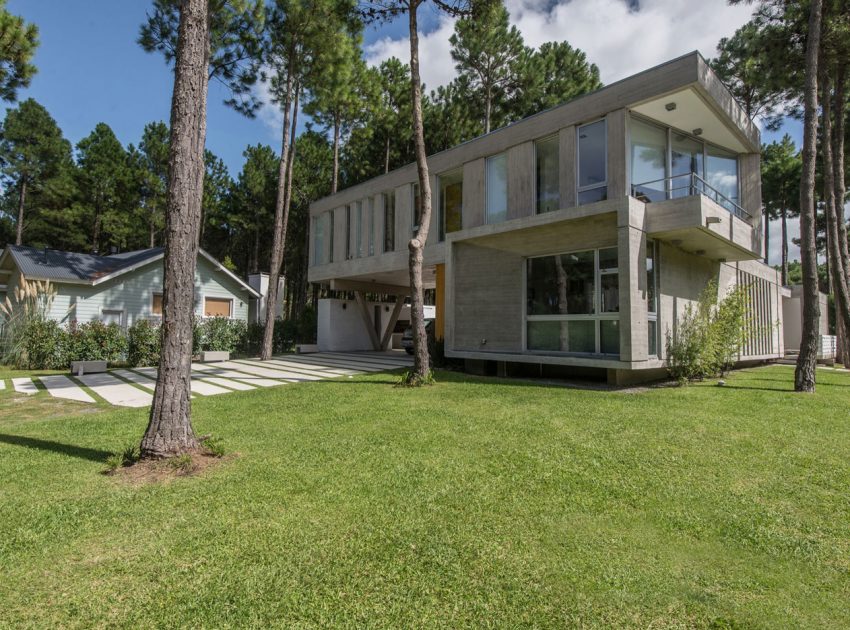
column 475, row 502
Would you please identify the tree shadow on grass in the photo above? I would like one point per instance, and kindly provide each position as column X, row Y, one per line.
column 91, row 454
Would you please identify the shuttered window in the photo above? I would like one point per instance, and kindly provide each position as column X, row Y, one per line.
column 217, row 307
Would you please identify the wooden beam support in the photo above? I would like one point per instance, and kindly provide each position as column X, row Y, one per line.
column 388, row 333
column 367, row 319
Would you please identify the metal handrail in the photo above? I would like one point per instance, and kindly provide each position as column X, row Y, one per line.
column 695, row 185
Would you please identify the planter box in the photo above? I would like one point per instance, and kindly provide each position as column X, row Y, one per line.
column 306, row 348
column 212, row 356
column 78, row 368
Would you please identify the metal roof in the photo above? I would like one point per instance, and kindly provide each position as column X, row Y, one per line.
column 53, row 264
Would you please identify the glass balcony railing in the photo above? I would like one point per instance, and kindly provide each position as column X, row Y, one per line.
column 685, row 186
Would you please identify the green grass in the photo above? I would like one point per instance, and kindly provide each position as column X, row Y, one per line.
column 475, row 502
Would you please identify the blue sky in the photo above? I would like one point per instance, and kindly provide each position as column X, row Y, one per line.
column 91, row 70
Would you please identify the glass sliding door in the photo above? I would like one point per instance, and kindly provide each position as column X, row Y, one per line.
column 686, row 157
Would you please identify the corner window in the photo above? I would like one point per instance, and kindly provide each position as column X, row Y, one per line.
column 721, row 173
column 451, row 203
column 572, row 303
column 389, row 221
column 496, row 198
column 156, row 304
column 547, row 167
column 592, row 162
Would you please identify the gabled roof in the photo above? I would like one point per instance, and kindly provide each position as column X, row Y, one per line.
column 74, row 268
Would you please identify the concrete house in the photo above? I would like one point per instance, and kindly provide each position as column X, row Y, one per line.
column 120, row 288
column 573, row 240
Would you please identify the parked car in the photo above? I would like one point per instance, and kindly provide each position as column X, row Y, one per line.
column 407, row 337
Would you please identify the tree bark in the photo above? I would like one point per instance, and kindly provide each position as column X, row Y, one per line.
column 22, row 198
column 784, row 244
column 281, row 212
column 488, row 104
column 151, row 231
column 842, row 266
column 335, row 179
column 804, row 374
column 421, row 359
column 170, row 430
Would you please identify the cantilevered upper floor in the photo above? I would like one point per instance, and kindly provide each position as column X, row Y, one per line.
column 672, row 137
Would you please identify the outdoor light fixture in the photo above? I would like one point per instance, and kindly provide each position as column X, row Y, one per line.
column 697, row 131
column 710, row 220
column 670, row 107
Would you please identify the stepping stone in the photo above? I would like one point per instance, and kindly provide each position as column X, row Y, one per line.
column 255, row 370
column 232, row 384
column 208, row 371
column 355, row 359
column 116, row 391
column 320, row 370
column 24, row 385
column 339, row 363
column 283, row 372
column 60, row 386
column 138, row 379
column 148, row 376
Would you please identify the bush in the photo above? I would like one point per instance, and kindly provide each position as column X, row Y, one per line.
column 143, row 341
column 96, row 341
column 221, row 334
column 710, row 335
column 45, row 346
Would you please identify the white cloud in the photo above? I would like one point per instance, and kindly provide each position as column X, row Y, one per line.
column 620, row 41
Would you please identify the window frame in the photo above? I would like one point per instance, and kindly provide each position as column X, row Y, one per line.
column 370, row 215
column 487, row 160
column 535, row 183
column 154, row 295
column 122, row 314
column 414, row 193
column 216, row 297
column 597, row 316
column 387, row 196
column 653, row 316
column 580, row 189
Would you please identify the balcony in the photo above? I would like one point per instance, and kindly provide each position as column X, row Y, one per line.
column 686, row 185
column 690, row 214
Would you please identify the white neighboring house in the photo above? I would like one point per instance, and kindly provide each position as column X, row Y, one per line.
column 120, row 288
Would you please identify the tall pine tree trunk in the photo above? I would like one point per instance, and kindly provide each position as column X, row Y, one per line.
column 416, row 246
column 387, row 155
column 170, row 430
column 840, row 188
column 22, row 199
column 804, row 374
column 151, row 232
column 95, row 238
column 335, row 178
column 784, row 244
column 488, row 105
column 280, row 220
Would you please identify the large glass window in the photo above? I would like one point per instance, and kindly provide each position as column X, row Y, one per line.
column 358, row 229
column 496, row 202
column 347, row 232
column 649, row 160
column 451, row 203
column 548, row 184
column 592, row 163
column 686, row 157
column 573, row 303
column 721, row 173
column 389, row 221
column 330, row 219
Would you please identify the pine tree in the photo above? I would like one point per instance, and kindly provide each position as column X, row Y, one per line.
column 18, row 41
column 780, row 176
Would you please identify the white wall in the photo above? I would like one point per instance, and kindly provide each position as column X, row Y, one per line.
column 341, row 327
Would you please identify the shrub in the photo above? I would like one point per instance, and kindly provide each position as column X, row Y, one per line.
column 214, row 446
column 45, row 346
column 143, row 344
column 710, row 335
column 96, row 341
column 221, row 334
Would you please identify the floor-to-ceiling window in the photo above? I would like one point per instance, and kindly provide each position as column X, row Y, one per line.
column 592, row 162
column 649, row 160
column 358, row 228
column 572, row 303
column 496, row 197
column 547, row 181
column 451, row 203
column 652, row 297
column 686, row 157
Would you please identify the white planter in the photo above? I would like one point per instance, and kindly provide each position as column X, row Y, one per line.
column 78, row 368
column 212, row 356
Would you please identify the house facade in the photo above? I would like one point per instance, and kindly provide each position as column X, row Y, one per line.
column 120, row 288
column 575, row 239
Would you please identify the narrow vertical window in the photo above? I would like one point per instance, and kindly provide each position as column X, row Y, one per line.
column 348, row 232
column 592, row 163
column 330, row 218
column 358, row 228
column 548, row 184
column 371, row 212
column 416, row 211
column 496, row 201
column 319, row 243
column 652, row 297
column 389, row 221
column 451, row 203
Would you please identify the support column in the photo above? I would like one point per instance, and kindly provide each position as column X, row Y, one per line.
column 367, row 319
column 631, row 246
column 388, row 331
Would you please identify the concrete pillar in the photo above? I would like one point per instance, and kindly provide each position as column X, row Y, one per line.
column 618, row 176
column 521, row 180
column 473, row 193
column 567, row 166
column 631, row 247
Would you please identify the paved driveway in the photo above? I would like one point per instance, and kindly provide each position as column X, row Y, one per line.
column 134, row 387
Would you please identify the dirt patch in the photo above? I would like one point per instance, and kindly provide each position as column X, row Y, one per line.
column 165, row 470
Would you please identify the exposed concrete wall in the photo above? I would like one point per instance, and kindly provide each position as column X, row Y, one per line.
column 521, row 180
column 631, row 249
column 567, row 166
column 749, row 172
column 473, row 193
column 341, row 327
column 618, row 174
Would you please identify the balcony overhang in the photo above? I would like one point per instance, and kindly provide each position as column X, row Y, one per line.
column 699, row 226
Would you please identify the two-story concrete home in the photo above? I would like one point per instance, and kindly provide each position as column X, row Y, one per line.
column 570, row 241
